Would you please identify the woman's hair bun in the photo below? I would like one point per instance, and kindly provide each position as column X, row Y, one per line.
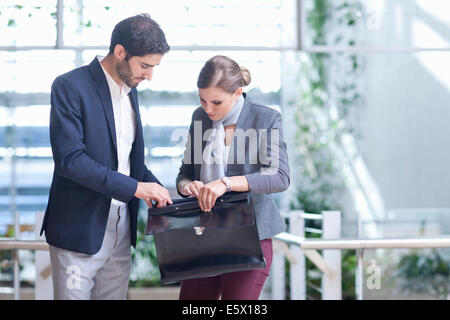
column 246, row 75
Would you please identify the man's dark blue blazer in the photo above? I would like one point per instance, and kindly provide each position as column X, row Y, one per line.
column 85, row 178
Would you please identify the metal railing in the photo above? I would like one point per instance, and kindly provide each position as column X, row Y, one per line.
column 9, row 244
column 15, row 244
column 331, row 265
column 397, row 243
column 301, row 247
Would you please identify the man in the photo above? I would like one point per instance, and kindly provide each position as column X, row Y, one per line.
column 98, row 150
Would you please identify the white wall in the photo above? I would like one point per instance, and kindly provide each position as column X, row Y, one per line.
column 405, row 120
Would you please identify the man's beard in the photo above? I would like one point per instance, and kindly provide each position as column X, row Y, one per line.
column 124, row 71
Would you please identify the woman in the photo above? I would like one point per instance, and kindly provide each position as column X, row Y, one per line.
column 248, row 136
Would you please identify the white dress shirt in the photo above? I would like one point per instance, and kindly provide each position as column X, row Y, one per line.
column 125, row 123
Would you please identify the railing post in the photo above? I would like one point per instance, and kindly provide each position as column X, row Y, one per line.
column 43, row 288
column 331, row 229
column 278, row 278
column 16, row 257
column 359, row 265
column 297, row 269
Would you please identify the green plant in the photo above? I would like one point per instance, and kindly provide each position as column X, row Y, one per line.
column 321, row 114
column 321, row 185
column 424, row 272
column 145, row 271
column 349, row 262
column 6, row 262
column 32, row 9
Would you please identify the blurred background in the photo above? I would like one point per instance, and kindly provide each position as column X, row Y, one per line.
column 363, row 87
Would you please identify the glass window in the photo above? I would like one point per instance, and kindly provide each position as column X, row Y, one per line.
column 379, row 23
column 33, row 71
column 385, row 118
column 28, row 23
column 406, row 274
column 189, row 23
column 167, row 102
column 178, row 71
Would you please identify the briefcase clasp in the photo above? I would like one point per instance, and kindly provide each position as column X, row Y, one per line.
column 199, row 230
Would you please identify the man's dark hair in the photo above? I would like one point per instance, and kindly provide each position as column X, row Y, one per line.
column 139, row 35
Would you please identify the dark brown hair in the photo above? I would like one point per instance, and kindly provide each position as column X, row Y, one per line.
column 139, row 35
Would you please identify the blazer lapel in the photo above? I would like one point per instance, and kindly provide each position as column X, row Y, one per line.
column 137, row 150
column 245, row 112
column 135, row 106
column 105, row 97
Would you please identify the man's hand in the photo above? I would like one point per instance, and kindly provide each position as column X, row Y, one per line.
column 209, row 194
column 149, row 191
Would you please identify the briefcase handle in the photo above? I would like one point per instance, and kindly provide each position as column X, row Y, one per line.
column 191, row 203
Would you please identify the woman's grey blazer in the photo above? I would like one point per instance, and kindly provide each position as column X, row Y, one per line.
column 257, row 152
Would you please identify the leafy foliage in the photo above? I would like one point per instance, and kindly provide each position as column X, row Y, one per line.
column 144, row 259
column 319, row 130
column 424, row 272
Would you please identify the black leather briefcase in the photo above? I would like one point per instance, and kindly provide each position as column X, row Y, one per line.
column 194, row 244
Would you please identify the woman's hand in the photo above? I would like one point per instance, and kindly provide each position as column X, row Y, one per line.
column 192, row 188
column 209, row 194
